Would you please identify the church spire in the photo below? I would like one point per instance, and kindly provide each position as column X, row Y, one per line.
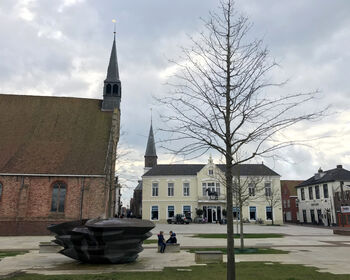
column 151, row 154
column 112, row 85
column 113, row 71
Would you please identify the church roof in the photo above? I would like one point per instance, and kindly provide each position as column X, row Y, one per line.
column 151, row 147
column 53, row 135
column 193, row 169
column 113, row 71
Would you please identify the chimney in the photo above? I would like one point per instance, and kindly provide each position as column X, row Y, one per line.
column 339, row 166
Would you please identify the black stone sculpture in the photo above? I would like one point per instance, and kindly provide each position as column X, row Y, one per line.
column 102, row 240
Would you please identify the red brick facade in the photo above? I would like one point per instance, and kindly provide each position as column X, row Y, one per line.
column 289, row 200
column 25, row 203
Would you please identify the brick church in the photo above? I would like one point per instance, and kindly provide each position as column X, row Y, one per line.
column 57, row 157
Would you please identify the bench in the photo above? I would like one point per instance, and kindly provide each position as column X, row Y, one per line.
column 171, row 248
column 49, row 247
column 208, row 256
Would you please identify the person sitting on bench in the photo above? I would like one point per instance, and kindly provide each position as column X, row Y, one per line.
column 172, row 238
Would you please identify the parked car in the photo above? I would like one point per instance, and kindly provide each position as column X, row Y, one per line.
column 179, row 219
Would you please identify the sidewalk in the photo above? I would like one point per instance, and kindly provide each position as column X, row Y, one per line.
column 308, row 246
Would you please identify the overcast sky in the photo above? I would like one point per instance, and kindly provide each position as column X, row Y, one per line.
column 62, row 47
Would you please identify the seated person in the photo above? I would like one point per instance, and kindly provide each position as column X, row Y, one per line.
column 172, row 238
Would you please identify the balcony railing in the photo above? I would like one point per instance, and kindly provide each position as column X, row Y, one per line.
column 212, row 197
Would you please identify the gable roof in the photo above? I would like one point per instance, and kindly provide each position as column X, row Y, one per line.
column 336, row 174
column 53, row 135
column 193, row 169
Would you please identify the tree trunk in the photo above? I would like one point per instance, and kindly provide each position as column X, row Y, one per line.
column 231, row 270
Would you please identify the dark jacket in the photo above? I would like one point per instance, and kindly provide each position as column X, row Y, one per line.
column 161, row 239
column 172, row 238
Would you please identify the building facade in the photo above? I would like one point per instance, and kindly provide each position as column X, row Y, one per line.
column 290, row 200
column 316, row 196
column 57, row 157
column 170, row 189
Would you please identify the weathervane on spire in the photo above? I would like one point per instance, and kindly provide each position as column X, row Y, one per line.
column 115, row 27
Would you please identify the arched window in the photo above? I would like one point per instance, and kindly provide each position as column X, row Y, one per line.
column 58, row 197
column 115, row 89
column 109, row 89
column 0, row 191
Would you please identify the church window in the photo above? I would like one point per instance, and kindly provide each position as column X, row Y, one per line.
column 58, row 197
column 115, row 89
column 108, row 89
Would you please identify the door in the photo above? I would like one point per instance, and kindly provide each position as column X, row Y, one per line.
column 210, row 217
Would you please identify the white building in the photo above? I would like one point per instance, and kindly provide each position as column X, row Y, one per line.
column 170, row 189
column 316, row 195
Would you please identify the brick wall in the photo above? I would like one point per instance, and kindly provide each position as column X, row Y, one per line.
column 25, row 202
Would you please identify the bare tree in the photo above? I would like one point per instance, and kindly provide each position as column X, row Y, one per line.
column 245, row 188
column 220, row 101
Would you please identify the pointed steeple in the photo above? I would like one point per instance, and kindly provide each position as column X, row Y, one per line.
column 113, row 71
column 112, row 90
column 151, row 154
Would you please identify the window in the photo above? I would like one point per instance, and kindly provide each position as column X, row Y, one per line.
column 211, row 172
column 302, row 194
column 186, row 189
column 115, row 89
column 311, row 194
column 170, row 189
column 251, row 188
column 317, row 192
column 218, row 188
column 304, row 216
column 154, row 189
column 154, row 213
column 312, row 214
column 0, row 191
column 171, row 211
column 187, row 210
column 284, row 203
column 268, row 189
column 325, row 191
column 204, row 189
column 108, row 89
column 58, row 197
column 288, row 203
column 268, row 213
column 252, row 213
column 236, row 215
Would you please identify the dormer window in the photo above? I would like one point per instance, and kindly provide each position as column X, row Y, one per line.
column 211, row 172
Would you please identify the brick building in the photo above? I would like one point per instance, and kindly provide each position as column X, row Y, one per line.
column 289, row 200
column 57, row 157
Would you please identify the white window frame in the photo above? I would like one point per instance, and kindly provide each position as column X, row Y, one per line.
column 154, row 188
column 183, row 189
column 151, row 213
column 167, row 211
column 266, row 213
column 211, row 172
column 183, row 212
column 270, row 187
column 172, row 188
column 204, row 189
column 256, row 211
